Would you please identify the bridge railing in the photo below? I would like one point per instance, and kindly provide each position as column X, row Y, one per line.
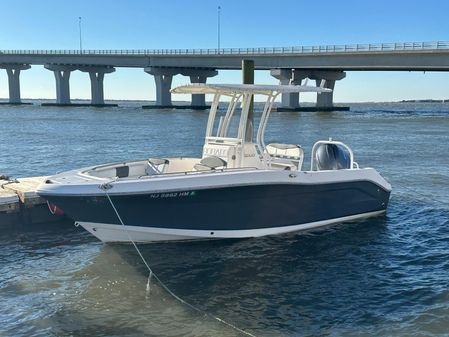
column 347, row 48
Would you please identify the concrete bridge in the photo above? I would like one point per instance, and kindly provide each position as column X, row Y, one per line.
column 287, row 64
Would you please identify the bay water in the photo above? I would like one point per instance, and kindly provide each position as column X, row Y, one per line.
column 385, row 276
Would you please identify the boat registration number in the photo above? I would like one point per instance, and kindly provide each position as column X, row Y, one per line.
column 172, row 195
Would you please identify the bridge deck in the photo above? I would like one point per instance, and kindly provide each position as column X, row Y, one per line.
column 377, row 56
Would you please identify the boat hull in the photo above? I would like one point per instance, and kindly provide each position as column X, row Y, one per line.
column 225, row 212
column 118, row 233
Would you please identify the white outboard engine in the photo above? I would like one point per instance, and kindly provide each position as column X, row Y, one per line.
column 331, row 155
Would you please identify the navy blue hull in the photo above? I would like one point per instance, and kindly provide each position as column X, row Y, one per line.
column 231, row 208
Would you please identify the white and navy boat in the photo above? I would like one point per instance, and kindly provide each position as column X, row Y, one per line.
column 240, row 187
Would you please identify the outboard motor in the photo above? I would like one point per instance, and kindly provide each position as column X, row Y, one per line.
column 332, row 157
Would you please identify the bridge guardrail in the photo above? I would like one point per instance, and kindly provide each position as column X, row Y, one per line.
column 347, row 48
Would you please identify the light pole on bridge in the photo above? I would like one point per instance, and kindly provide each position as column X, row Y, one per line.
column 218, row 27
column 81, row 41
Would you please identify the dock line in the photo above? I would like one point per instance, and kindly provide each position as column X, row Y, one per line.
column 107, row 186
column 8, row 181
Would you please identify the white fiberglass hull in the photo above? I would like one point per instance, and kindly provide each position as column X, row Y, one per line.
column 119, row 233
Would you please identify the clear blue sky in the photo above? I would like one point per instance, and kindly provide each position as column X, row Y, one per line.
column 134, row 24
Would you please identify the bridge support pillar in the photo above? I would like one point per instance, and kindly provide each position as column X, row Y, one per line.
column 13, row 71
column 163, row 78
column 198, row 99
column 199, row 76
column 62, row 77
column 96, row 74
column 324, row 101
column 289, row 101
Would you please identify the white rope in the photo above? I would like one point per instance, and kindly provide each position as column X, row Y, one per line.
column 106, row 186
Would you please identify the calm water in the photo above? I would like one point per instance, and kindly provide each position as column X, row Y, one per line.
column 387, row 276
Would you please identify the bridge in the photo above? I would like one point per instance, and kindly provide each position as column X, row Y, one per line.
column 287, row 64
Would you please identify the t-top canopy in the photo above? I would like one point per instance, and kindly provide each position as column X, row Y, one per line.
column 232, row 89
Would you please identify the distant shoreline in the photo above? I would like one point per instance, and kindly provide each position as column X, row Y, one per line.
column 187, row 102
column 423, row 101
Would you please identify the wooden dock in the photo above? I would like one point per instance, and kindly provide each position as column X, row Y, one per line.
column 20, row 204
